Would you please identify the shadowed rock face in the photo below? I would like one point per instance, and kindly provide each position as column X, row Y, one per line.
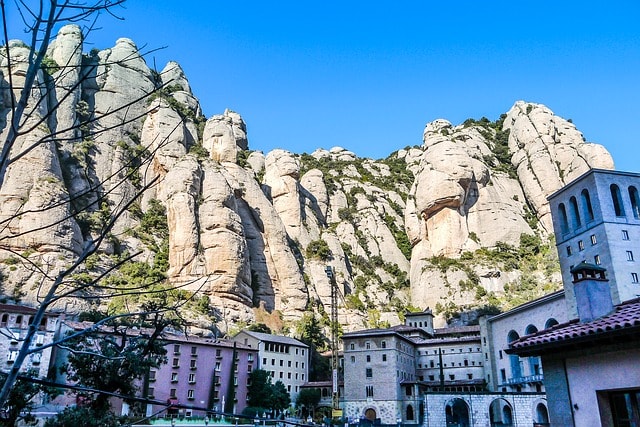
column 259, row 230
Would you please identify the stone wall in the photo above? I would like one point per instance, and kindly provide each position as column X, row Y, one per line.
column 522, row 405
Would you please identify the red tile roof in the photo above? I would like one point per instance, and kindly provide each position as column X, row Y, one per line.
column 624, row 320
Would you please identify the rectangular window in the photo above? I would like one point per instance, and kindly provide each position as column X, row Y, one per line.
column 264, row 360
column 470, row 376
column 368, row 358
column 176, row 362
column 288, row 375
column 580, row 245
column 282, row 363
column 503, row 375
column 281, row 374
column 250, row 357
column 500, row 354
column 384, row 344
column 176, row 349
column 431, row 364
column 249, row 368
column 368, row 345
column 384, row 357
column 634, row 277
column 273, row 362
column 625, row 235
column 192, row 364
column 594, row 240
column 596, row 260
column 432, row 377
column 369, row 372
column 152, row 375
column 218, row 353
column 150, row 392
column 174, row 377
column 289, row 364
column 629, row 256
column 302, row 365
column 190, row 394
column 352, row 346
column 303, row 351
column 172, row 392
column 192, row 378
column 353, row 359
column 217, row 366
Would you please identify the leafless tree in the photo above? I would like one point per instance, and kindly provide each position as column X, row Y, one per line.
column 107, row 198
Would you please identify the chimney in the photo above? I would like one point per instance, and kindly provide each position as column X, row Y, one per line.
column 591, row 289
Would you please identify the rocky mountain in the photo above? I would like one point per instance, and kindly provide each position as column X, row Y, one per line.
column 459, row 222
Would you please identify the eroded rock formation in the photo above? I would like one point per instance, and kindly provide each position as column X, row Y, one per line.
column 252, row 230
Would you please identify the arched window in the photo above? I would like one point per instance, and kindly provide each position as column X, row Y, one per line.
column 616, row 198
column 534, row 361
column 5, row 318
column 635, row 202
column 575, row 213
column 409, row 416
column 564, row 223
column 19, row 320
column 586, row 201
column 550, row 322
column 514, row 360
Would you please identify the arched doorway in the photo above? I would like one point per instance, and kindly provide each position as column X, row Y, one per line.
column 457, row 412
column 370, row 414
column 409, row 414
column 500, row 413
column 541, row 416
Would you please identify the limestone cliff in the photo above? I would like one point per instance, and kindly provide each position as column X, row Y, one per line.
column 450, row 224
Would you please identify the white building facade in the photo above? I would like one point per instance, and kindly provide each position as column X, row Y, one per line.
column 287, row 359
column 596, row 219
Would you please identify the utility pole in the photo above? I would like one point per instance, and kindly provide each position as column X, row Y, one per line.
column 335, row 398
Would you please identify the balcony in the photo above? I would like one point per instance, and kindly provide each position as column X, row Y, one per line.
column 524, row 380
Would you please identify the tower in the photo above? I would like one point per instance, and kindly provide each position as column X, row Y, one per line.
column 596, row 220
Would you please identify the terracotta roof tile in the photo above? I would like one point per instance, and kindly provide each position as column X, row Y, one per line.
column 624, row 318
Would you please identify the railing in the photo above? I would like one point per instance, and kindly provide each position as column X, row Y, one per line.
column 523, row 380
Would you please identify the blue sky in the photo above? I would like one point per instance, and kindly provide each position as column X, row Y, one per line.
column 368, row 75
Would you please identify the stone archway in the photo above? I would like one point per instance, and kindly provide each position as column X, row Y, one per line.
column 500, row 413
column 457, row 413
column 370, row 414
column 541, row 415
